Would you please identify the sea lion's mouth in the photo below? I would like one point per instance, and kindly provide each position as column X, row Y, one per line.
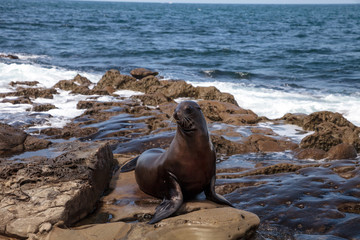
column 186, row 125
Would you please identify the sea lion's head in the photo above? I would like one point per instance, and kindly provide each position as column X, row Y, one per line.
column 189, row 117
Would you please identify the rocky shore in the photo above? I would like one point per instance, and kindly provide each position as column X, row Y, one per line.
column 64, row 182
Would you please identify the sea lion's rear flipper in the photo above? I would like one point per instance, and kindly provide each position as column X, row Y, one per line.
column 169, row 206
column 129, row 165
column 213, row 196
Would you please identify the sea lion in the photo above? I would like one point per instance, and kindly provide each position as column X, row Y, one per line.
column 184, row 170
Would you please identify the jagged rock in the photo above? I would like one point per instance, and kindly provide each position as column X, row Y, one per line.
column 140, row 73
column 43, row 191
column 342, row 151
column 69, row 85
column 43, row 107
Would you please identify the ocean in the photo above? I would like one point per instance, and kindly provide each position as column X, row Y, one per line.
column 275, row 59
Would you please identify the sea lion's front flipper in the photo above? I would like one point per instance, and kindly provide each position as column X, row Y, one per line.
column 169, row 206
column 129, row 165
column 213, row 196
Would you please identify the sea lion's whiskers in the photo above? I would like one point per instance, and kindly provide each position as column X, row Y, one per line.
column 188, row 121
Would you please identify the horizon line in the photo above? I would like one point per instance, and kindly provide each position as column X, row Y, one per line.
column 230, row 3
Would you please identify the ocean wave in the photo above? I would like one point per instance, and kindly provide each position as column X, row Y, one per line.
column 230, row 74
column 310, row 51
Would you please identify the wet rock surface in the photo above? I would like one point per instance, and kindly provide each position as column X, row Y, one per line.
column 301, row 184
column 42, row 191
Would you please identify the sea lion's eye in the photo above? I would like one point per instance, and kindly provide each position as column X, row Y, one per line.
column 188, row 110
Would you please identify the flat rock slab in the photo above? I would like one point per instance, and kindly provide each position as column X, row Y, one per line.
column 217, row 223
column 38, row 192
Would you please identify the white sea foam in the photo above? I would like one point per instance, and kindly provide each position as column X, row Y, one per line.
column 47, row 77
column 275, row 103
column 127, row 93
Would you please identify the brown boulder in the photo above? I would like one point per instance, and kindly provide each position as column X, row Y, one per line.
column 342, row 151
column 140, row 73
column 11, row 139
column 226, row 147
column 261, row 143
column 310, row 153
column 32, row 143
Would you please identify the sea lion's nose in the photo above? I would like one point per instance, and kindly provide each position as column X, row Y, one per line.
column 176, row 117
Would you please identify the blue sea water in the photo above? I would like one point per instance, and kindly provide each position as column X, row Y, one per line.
column 273, row 58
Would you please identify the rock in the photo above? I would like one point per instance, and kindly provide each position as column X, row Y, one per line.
column 43, row 107
column 296, row 119
column 35, row 92
column 19, row 100
column 263, row 143
column 227, row 112
column 312, row 121
column 27, row 83
column 310, row 153
column 328, row 134
column 212, row 93
column 32, row 143
column 43, row 191
column 78, row 85
column 220, row 223
column 11, row 139
column 227, row 147
column 175, row 89
column 113, row 78
column 342, row 151
column 153, row 99
column 140, row 73
column 9, row 56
